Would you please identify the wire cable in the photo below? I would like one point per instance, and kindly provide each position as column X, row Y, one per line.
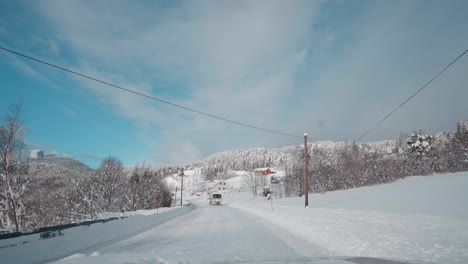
column 411, row 97
column 147, row 96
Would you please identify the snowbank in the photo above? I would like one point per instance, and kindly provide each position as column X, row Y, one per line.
column 415, row 219
column 33, row 249
column 236, row 182
column 139, row 212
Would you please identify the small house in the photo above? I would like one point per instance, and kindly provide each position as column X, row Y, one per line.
column 221, row 186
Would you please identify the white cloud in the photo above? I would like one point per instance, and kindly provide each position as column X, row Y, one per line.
column 240, row 60
column 391, row 53
column 68, row 111
column 53, row 47
column 183, row 153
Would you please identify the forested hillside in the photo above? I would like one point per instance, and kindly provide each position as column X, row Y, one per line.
column 343, row 165
column 50, row 191
column 60, row 162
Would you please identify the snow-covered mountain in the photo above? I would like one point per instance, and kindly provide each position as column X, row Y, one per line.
column 65, row 163
column 251, row 158
column 36, row 153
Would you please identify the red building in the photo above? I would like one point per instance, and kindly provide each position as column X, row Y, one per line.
column 265, row 172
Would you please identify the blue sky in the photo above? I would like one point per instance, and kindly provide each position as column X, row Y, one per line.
column 329, row 68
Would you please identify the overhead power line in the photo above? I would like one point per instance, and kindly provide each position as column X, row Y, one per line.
column 147, row 96
column 411, row 97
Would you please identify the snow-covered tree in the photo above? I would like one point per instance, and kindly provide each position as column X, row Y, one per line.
column 99, row 191
column 251, row 181
column 294, row 181
column 420, row 144
column 13, row 171
column 108, row 179
column 50, row 196
column 86, row 199
column 145, row 189
column 420, row 153
column 457, row 148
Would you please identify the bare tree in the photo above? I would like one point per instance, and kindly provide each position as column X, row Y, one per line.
column 263, row 180
column 145, row 189
column 99, row 191
column 13, row 172
column 109, row 180
column 252, row 182
column 85, row 199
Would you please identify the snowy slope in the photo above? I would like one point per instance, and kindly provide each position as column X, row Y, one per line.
column 236, row 182
column 437, row 195
column 415, row 219
column 64, row 162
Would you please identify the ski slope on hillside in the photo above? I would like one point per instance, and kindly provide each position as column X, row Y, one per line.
column 416, row 219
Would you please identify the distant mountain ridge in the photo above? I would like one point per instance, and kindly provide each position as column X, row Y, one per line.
column 67, row 163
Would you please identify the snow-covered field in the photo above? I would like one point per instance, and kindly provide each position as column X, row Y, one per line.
column 416, row 219
column 236, row 182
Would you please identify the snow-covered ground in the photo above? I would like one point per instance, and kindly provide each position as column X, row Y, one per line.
column 34, row 249
column 415, row 219
column 236, row 182
column 418, row 218
column 209, row 234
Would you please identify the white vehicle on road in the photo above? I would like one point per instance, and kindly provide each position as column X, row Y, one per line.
column 216, row 199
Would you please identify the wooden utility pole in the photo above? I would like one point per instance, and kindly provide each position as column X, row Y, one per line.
column 181, row 187
column 175, row 197
column 306, row 172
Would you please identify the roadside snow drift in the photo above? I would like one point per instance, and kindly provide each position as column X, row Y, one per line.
column 415, row 219
column 33, row 249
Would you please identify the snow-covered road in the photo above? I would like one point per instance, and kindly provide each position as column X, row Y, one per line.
column 208, row 234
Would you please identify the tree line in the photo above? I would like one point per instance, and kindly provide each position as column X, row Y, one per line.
column 359, row 164
column 344, row 165
column 35, row 195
